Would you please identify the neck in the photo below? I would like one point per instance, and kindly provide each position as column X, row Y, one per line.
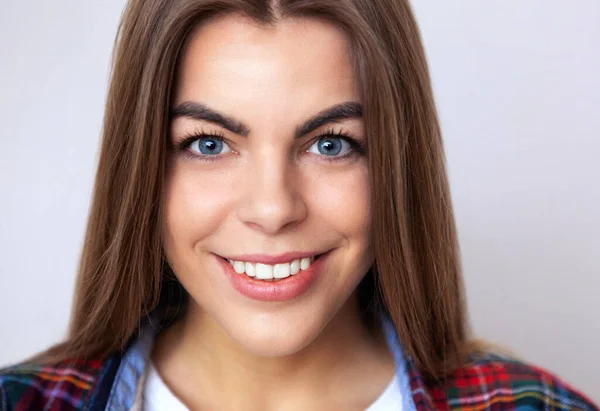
column 204, row 367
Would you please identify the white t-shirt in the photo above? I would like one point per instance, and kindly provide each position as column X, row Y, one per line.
column 158, row 397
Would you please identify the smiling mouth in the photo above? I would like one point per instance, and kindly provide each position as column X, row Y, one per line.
column 273, row 272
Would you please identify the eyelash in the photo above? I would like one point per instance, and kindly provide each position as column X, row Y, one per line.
column 183, row 144
column 357, row 147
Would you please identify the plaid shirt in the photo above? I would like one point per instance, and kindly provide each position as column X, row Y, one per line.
column 489, row 382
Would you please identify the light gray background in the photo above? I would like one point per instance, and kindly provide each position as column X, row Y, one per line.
column 518, row 89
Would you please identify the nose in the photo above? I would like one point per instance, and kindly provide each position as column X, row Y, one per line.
column 272, row 198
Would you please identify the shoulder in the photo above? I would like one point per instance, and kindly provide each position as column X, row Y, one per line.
column 67, row 385
column 492, row 380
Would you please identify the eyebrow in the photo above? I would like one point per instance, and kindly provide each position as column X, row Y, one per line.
column 199, row 111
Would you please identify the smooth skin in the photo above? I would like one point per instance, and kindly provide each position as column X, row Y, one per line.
column 264, row 190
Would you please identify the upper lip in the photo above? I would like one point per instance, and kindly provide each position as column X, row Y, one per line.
column 272, row 259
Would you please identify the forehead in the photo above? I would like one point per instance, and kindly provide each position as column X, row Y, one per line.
column 300, row 63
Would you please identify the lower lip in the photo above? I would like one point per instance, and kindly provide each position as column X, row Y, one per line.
column 279, row 290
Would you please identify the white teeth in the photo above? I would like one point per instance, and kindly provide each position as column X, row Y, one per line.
column 294, row 267
column 264, row 271
column 304, row 263
column 250, row 270
column 271, row 272
column 239, row 267
column 281, row 270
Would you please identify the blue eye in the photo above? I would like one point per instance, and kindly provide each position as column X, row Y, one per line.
column 209, row 146
column 330, row 147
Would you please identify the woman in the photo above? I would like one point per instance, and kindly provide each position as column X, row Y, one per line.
column 271, row 227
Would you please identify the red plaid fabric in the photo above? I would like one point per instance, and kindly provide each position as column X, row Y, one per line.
column 493, row 382
column 65, row 386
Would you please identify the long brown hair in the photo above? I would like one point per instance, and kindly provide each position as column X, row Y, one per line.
column 416, row 278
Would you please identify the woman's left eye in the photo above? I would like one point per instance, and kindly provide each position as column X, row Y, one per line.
column 330, row 147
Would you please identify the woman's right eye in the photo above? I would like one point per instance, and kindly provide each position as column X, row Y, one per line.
column 209, row 146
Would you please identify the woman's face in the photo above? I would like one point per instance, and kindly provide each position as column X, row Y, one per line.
column 267, row 170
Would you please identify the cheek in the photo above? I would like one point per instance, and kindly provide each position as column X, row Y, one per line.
column 195, row 202
column 343, row 200
column 341, row 203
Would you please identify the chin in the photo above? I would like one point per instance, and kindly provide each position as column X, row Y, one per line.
column 273, row 334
